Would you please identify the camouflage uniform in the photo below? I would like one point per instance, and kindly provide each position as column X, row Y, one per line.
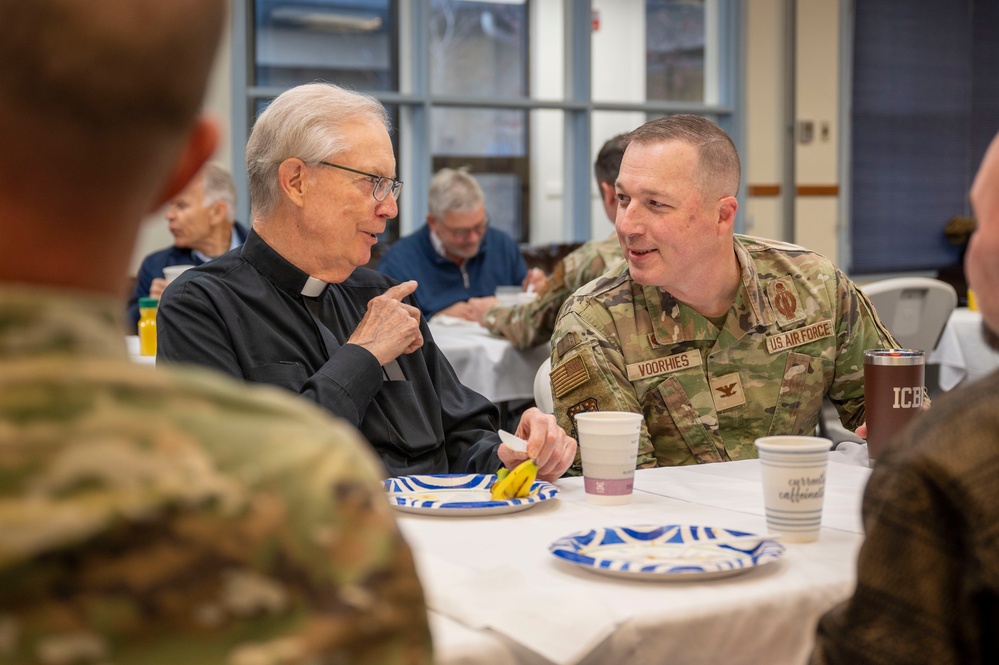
column 531, row 324
column 796, row 332
column 178, row 517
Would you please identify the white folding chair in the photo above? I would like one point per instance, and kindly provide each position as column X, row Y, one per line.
column 914, row 309
column 543, row 387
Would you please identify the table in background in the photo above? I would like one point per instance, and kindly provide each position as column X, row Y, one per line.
column 132, row 342
column 489, row 365
column 962, row 353
column 497, row 596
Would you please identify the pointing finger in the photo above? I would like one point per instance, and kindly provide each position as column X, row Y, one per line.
column 400, row 291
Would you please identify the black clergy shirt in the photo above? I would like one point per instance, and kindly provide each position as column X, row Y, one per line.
column 244, row 313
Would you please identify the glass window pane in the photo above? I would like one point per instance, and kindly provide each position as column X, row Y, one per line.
column 674, row 50
column 480, row 132
column 478, row 48
column 493, row 144
column 348, row 42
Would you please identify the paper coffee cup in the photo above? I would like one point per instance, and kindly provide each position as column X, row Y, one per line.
column 170, row 273
column 793, row 470
column 608, row 445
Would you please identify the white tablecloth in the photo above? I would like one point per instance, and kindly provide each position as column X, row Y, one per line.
column 486, row 364
column 497, row 596
column 962, row 353
column 132, row 342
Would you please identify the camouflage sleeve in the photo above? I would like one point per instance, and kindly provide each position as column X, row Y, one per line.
column 226, row 530
column 533, row 323
column 530, row 324
column 588, row 371
column 858, row 329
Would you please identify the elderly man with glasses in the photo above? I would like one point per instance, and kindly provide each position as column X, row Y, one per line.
column 294, row 308
column 456, row 256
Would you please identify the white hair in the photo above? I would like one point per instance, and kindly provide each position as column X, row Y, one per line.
column 306, row 122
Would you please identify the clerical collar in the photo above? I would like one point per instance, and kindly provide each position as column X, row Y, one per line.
column 313, row 287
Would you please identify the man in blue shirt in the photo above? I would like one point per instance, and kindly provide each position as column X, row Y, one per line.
column 201, row 220
column 456, row 255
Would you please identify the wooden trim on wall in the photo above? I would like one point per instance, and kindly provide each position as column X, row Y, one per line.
column 818, row 190
column 763, row 190
column 800, row 190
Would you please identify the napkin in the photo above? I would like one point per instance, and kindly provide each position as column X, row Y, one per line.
column 561, row 624
column 850, row 452
column 445, row 320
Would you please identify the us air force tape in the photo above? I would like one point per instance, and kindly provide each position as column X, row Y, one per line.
column 792, row 338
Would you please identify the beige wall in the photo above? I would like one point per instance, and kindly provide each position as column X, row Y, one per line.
column 763, row 158
column 817, row 100
column 816, row 163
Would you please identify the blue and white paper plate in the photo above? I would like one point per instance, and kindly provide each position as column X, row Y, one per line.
column 672, row 552
column 458, row 494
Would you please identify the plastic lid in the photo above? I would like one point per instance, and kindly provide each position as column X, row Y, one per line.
column 148, row 302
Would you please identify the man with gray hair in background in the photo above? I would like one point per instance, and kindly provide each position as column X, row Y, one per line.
column 202, row 221
column 155, row 516
column 293, row 307
column 457, row 255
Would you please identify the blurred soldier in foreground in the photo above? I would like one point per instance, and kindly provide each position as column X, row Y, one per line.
column 150, row 516
column 716, row 338
column 928, row 571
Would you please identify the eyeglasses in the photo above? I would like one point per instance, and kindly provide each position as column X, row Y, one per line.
column 383, row 184
column 461, row 234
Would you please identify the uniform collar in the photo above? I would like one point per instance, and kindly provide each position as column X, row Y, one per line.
column 37, row 320
column 674, row 322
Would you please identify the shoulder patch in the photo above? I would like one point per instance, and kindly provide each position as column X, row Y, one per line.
column 785, row 301
column 587, row 405
column 569, row 375
column 566, row 344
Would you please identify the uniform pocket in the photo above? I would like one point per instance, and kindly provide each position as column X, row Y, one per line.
column 799, row 400
column 290, row 376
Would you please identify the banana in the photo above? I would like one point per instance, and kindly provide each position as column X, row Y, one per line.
column 516, row 483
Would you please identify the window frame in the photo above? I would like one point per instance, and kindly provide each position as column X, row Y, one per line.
column 414, row 101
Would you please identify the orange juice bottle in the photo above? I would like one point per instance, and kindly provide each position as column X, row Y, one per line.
column 147, row 326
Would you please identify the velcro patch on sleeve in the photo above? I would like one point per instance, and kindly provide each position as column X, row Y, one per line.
column 569, row 375
column 588, row 405
column 566, row 344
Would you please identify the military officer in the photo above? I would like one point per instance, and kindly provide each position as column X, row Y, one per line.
column 716, row 338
